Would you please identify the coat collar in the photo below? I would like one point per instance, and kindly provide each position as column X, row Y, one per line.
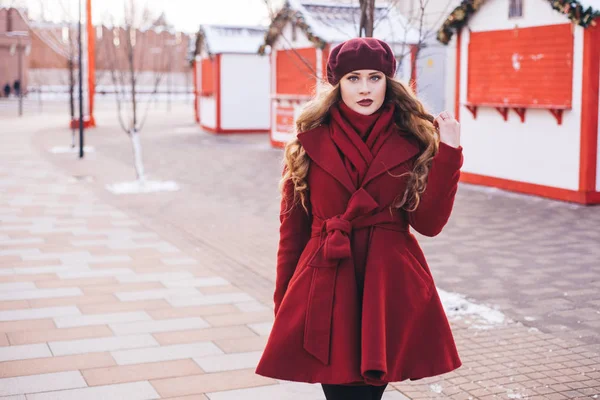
column 398, row 147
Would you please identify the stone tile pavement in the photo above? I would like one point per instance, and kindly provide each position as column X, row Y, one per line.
column 98, row 303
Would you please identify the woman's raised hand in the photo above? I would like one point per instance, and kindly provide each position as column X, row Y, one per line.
column 448, row 128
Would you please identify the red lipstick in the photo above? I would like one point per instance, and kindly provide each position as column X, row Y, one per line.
column 365, row 102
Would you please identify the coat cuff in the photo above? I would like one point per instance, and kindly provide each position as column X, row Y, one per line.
column 450, row 155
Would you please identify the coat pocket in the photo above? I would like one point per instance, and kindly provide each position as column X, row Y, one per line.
column 419, row 269
column 302, row 265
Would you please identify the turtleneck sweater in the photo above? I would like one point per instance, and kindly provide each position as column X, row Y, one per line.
column 361, row 123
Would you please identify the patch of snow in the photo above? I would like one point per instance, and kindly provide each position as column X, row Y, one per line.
column 530, row 318
column 457, row 306
column 69, row 149
column 512, row 395
column 436, row 388
column 516, row 57
column 142, row 186
column 390, row 26
column 234, row 39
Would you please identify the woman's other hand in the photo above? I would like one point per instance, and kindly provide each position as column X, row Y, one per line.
column 448, row 128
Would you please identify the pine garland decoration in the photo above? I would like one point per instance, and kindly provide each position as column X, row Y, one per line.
column 283, row 16
column 461, row 14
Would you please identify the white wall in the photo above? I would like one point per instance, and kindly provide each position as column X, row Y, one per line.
column 538, row 151
column 431, row 76
column 245, row 98
column 208, row 111
column 450, row 86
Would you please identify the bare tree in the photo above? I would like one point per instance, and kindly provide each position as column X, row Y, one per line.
column 269, row 9
column 72, row 61
column 61, row 38
column 417, row 16
column 127, row 56
column 367, row 18
column 368, row 22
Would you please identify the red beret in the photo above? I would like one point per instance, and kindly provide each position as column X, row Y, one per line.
column 360, row 53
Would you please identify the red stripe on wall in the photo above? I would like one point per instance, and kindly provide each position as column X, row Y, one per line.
column 413, row 67
column 589, row 111
column 457, row 78
column 91, row 61
column 325, row 59
column 217, row 76
column 532, row 189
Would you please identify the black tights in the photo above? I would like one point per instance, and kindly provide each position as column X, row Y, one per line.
column 342, row 392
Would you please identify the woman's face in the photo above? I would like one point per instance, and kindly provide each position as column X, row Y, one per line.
column 363, row 90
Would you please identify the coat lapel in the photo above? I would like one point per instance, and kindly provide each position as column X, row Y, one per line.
column 320, row 148
column 398, row 147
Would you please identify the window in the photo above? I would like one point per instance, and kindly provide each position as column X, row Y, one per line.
column 65, row 34
column 515, row 9
column 116, row 39
column 132, row 37
column 208, row 77
column 99, row 32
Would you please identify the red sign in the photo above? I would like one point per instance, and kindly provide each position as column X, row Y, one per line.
column 284, row 119
column 521, row 66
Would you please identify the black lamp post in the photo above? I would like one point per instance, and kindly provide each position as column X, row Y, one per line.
column 80, row 85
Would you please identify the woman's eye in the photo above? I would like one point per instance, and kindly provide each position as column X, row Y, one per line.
column 375, row 78
column 353, row 78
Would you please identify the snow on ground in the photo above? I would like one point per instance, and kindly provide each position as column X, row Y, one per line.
column 458, row 307
column 144, row 186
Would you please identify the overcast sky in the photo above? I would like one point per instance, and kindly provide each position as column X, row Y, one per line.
column 185, row 15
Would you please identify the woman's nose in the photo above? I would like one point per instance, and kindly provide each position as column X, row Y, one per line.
column 364, row 87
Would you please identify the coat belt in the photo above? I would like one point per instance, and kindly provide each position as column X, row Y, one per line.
column 335, row 248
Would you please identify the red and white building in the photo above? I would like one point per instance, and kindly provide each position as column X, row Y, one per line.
column 300, row 38
column 524, row 83
column 231, row 80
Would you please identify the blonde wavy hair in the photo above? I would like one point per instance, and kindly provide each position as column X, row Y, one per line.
column 411, row 116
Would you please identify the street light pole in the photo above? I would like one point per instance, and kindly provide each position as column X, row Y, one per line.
column 80, row 85
column 18, row 50
column 20, row 60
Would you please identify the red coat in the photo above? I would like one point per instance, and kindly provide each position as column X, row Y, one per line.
column 323, row 332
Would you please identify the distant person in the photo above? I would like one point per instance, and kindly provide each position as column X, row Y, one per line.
column 17, row 87
column 7, row 90
column 356, row 306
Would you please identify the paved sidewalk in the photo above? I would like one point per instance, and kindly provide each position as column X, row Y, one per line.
column 95, row 303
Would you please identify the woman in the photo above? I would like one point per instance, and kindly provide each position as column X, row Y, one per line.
column 355, row 303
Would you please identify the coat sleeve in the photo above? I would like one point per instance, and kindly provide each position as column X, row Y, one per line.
column 436, row 202
column 294, row 233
